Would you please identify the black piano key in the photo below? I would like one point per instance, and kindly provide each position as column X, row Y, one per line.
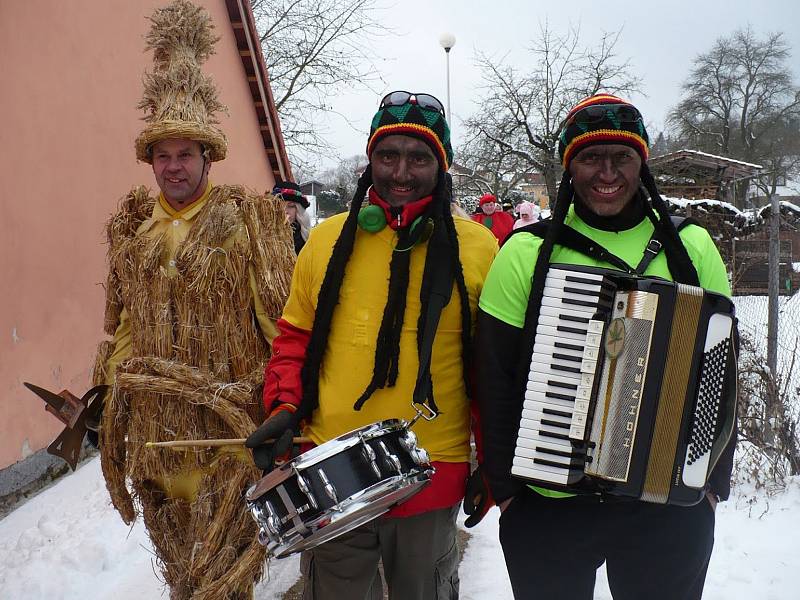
column 566, row 346
column 565, row 369
column 558, row 465
column 583, row 292
column 576, row 302
column 558, row 424
column 552, row 434
column 564, row 453
column 561, row 384
column 584, row 280
column 558, row 413
column 559, row 396
column 566, row 317
column 566, row 329
column 569, row 357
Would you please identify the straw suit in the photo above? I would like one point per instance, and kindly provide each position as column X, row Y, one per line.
column 192, row 295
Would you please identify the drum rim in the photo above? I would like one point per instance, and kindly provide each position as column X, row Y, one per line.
column 343, row 442
column 293, row 541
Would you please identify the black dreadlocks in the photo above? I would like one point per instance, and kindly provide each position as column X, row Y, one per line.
column 387, row 353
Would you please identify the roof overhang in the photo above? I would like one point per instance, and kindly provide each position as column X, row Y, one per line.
column 249, row 45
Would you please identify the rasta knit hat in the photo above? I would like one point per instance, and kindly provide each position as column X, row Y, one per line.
column 290, row 192
column 426, row 124
column 602, row 119
column 486, row 198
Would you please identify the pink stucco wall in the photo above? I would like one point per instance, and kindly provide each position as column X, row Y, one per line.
column 70, row 75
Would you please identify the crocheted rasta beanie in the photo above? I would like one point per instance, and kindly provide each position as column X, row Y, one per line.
column 602, row 119
column 290, row 192
column 426, row 124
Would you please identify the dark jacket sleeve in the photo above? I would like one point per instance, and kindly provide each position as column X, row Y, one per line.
column 497, row 343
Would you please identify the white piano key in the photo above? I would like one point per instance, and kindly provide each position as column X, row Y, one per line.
column 533, row 397
column 559, row 476
column 544, row 374
column 560, row 284
column 560, row 311
column 558, row 304
column 533, row 441
column 562, row 274
column 547, row 345
column 566, row 335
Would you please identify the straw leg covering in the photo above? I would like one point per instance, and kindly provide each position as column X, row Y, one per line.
column 207, row 550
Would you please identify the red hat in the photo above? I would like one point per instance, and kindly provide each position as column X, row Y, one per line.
column 486, row 198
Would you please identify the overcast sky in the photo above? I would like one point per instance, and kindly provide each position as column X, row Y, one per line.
column 660, row 39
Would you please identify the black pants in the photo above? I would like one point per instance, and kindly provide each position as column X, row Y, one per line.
column 554, row 546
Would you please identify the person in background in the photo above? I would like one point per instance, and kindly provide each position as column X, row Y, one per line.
column 295, row 205
column 490, row 215
column 347, row 355
column 528, row 214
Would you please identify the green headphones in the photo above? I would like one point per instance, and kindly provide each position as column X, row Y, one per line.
column 372, row 218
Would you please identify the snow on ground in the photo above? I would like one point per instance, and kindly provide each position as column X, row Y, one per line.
column 68, row 543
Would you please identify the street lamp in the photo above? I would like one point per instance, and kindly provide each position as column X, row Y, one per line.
column 447, row 41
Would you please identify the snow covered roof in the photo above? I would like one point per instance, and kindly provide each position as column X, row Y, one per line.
column 703, row 159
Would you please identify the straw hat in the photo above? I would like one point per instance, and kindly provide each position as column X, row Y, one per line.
column 179, row 100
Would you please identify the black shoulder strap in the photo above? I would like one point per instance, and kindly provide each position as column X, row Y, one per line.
column 442, row 279
column 575, row 240
column 655, row 244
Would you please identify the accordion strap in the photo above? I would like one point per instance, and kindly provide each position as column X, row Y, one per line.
column 575, row 240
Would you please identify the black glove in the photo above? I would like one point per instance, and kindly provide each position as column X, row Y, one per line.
column 477, row 498
column 272, row 441
column 94, row 417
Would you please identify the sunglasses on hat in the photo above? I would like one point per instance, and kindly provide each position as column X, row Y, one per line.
column 399, row 98
column 624, row 113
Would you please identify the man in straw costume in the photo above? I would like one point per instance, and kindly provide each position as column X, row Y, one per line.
column 197, row 276
column 352, row 338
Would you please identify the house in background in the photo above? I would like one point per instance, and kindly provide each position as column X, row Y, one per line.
column 72, row 76
column 697, row 175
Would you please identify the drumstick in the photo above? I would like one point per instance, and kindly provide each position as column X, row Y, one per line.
column 212, row 443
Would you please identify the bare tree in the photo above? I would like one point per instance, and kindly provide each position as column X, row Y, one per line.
column 740, row 101
column 524, row 110
column 344, row 177
column 490, row 168
column 315, row 49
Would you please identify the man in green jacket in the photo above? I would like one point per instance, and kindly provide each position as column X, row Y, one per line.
column 555, row 541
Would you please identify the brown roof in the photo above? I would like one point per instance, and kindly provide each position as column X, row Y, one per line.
column 249, row 45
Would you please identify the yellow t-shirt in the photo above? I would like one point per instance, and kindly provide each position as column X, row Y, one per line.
column 350, row 356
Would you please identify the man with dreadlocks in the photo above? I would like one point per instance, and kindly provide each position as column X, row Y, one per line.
column 198, row 275
column 348, row 350
column 554, row 541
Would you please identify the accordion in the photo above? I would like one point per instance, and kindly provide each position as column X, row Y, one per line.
column 631, row 389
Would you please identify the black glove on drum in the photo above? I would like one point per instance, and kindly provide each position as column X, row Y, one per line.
column 477, row 498
column 272, row 441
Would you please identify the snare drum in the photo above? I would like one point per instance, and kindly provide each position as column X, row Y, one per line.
column 338, row 486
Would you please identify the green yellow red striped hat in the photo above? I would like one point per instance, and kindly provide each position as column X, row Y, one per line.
column 602, row 119
column 426, row 124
